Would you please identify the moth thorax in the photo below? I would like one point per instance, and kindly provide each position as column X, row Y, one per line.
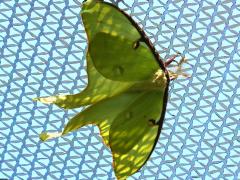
column 160, row 79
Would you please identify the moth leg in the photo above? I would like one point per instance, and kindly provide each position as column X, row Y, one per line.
column 179, row 72
column 171, row 59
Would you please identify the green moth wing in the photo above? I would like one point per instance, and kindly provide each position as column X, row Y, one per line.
column 136, row 120
column 134, row 133
column 118, row 49
column 93, row 93
column 107, row 64
column 109, row 114
column 101, row 113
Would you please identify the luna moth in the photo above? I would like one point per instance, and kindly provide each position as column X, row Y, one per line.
column 127, row 89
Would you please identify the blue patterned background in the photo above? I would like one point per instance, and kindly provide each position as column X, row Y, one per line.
column 42, row 53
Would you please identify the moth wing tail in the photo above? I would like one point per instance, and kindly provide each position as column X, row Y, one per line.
column 44, row 136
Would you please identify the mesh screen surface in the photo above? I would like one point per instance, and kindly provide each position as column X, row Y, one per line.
column 42, row 53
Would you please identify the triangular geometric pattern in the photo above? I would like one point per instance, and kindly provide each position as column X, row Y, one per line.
column 42, row 52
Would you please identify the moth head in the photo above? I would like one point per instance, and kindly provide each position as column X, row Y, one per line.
column 160, row 79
